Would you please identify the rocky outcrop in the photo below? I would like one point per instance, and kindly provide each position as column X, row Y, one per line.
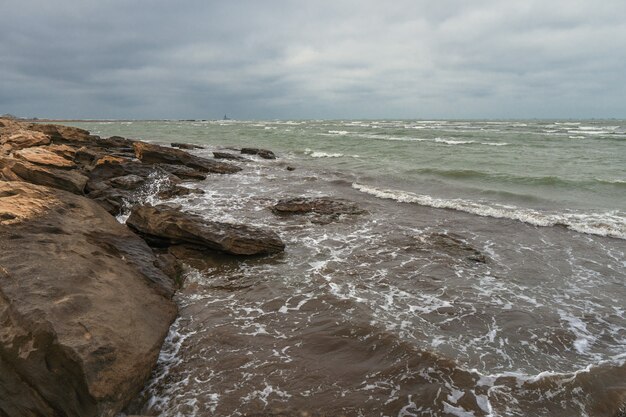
column 19, row 138
column 227, row 155
column 165, row 226
column 154, row 154
column 43, row 156
column 62, row 179
column 84, row 309
column 263, row 153
column 185, row 146
column 321, row 205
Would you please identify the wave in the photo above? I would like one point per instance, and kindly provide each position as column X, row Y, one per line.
column 316, row 154
column 549, row 180
column 611, row 224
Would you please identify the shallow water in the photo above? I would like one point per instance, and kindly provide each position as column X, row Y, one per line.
column 378, row 314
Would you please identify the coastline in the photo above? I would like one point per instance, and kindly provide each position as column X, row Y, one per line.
column 419, row 294
column 73, row 276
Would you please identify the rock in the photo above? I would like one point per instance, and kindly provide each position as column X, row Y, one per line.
column 86, row 156
column 127, row 182
column 111, row 159
column 65, row 151
column 455, row 246
column 185, row 146
column 263, row 153
column 322, row 205
column 290, row 168
column 72, row 181
column 227, row 155
column 171, row 226
column 84, row 309
column 43, row 156
column 116, row 142
column 113, row 200
column 63, row 134
column 178, row 191
column 22, row 138
column 154, row 154
column 181, row 171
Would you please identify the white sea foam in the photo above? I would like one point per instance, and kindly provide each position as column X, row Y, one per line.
column 317, row 154
column 611, row 224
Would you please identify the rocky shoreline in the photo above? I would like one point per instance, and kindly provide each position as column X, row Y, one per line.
column 86, row 301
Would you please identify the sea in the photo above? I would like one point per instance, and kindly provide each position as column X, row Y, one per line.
column 486, row 277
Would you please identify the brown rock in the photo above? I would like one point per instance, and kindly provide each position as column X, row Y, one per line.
column 128, row 182
column 185, row 146
column 154, row 154
column 263, row 153
column 227, row 155
column 23, row 138
column 110, row 159
column 169, row 225
column 83, row 308
column 72, row 181
column 178, row 191
column 323, row 205
column 62, row 134
column 65, row 151
column 43, row 156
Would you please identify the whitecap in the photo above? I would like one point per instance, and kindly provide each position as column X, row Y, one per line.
column 611, row 223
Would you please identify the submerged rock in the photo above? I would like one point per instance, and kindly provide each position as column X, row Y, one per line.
column 454, row 245
column 185, row 146
column 155, row 154
column 322, row 205
column 231, row 156
column 263, row 153
column 166, row 226
column 84, row 309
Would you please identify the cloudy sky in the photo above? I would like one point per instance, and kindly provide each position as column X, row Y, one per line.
column 313, row 59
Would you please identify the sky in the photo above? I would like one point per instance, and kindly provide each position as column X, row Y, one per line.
column 341, row 59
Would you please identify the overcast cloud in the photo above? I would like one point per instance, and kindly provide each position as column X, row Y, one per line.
column 317, row 59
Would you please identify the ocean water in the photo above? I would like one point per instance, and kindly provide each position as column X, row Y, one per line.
column 388, row 313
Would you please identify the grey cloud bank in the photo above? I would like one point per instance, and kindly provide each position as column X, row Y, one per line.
column 323, row 59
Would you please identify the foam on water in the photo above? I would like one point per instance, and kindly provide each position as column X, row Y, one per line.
column 611, row 224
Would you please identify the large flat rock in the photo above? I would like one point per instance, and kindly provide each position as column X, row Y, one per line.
column 83, row 308
column 167, row 225
column 154, row 154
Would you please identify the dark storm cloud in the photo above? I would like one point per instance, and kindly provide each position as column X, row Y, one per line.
column 323, row 59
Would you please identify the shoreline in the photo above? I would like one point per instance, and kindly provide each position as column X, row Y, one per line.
column 60, row 190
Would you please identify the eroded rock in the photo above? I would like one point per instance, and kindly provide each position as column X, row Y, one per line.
column 166, row 225
column 72, row 181
column 84, row 309
column 321, row 205
column 154, row 154
column 43, row 156
column 231, row 156
column 185, row 146
column 263, row 153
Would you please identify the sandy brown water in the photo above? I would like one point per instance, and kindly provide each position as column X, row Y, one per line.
column 379, row 315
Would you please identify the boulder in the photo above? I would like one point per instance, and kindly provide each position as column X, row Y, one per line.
column 72, row 181
column 23, row 138
column 185, row 146
column 84, row 309
column 178, row 191
column 154, row 154
column 43, row 156
column 263, row 153
column 166, row 225
column 63, row 134
column 321, row 205
column 128, row 182
column 227, row 155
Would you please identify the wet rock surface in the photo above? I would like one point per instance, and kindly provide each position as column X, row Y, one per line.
column 263, row 153
column 322, row 205
column 155, row 154
column 85, row 303
column 83, row 307
column 185, row 146
column 168, row 225
column 228, row 155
